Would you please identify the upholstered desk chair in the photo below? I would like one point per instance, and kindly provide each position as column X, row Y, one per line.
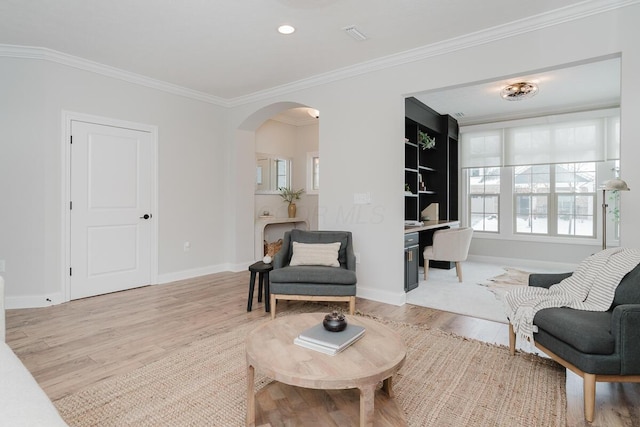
column 314, row 266
column 451, row 245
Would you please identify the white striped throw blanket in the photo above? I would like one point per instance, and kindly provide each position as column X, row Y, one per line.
column 591, row 287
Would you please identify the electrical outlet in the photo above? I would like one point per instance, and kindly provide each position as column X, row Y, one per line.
column 187, row 246
column 2, row 266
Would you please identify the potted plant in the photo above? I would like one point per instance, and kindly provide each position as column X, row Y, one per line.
column 426, row 141
column 289, row 195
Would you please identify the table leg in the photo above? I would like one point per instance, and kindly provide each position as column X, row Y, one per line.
column 252, row 284
column 367, row 396
column 251, row 397
column 387, row 386
column 260, row 281
column 267, row 293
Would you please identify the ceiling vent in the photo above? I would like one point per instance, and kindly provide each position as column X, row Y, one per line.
column 355, row 33
column 458, row 115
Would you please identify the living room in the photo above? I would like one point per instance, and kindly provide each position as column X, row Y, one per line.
column 206, row 147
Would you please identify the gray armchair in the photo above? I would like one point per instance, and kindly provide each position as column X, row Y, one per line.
column 598, row 346
column 314, row 282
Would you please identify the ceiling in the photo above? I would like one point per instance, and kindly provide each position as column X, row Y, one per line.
column 231, row 49
column 572, row 88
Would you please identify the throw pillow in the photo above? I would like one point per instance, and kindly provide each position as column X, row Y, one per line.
column 325, row 254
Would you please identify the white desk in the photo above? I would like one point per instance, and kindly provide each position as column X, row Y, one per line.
column 271, row 229
column 430, row 225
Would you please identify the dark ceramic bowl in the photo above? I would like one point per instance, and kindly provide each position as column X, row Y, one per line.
column 334, row 322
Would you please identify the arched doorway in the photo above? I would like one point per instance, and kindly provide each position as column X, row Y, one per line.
column 284, row 134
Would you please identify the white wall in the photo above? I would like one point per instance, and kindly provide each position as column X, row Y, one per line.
column 206, row 154
column 361, row 134
column 191, row 172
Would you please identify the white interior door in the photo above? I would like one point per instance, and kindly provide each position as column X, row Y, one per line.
column 110, row 209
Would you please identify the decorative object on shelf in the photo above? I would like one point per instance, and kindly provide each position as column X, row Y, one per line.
column 289, row 195
column 519, row 91
column 334, row 322
column 426, row 141
column 407, row 190
column 613, row 185
column 271, row 249
column 431, row 212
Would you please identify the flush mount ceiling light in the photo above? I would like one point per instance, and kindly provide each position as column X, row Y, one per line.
column 518, row 91
column 286, row 29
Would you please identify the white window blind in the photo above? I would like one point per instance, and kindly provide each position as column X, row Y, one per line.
column 557, row 141
column 481, row 149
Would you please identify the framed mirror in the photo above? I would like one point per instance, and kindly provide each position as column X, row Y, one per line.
column 272, row 172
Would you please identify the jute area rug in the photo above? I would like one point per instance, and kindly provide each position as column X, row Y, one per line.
column 446, row 381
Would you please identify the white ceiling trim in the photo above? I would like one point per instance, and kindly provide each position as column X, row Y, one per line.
column 533, row 23
column 42, row 53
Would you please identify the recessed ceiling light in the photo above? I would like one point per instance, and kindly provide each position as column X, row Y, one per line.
column 286, row 29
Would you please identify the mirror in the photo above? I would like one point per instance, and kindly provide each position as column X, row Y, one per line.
column 272, row 172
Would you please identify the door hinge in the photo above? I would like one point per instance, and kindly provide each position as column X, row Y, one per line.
column 70, row 272
column 71, row 139
column 70, row 205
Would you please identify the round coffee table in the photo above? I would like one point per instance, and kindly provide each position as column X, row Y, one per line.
column 376, row 357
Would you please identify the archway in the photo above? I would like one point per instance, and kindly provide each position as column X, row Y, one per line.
column 276, row 131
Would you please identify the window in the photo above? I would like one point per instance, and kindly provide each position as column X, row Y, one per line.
column 532, row 186
column 484, row 198
column 313, row 172
column 575, row 186
column 282, row 173
column 555, row 199
column 540, row 176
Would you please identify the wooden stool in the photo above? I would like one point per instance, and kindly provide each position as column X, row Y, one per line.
column 263, row 279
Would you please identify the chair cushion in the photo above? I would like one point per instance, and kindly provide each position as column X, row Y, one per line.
column 304, row 236
column 325, row 254
column 628, row 291
column 587, row 331
column 313, row 274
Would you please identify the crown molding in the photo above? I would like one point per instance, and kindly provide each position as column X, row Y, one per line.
column 566, row 14
column 533, row 23
column 42, row 53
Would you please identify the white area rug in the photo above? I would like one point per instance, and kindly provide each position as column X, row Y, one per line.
column 477, row 296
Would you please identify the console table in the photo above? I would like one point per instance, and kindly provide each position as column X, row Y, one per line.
column 264, row 225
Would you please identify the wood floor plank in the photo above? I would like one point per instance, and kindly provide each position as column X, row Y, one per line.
column 71, row 346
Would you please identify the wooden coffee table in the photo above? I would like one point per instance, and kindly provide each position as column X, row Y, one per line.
column 376, row 357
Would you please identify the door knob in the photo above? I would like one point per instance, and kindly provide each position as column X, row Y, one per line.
column 145, row 216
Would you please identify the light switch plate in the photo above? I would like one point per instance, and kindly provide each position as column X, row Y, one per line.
column 361, row 198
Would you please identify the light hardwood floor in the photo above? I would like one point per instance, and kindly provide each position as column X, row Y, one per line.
column 74, row 345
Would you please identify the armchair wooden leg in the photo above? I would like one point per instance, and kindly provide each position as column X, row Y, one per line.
column 352, row 305
column 589, row 390
column 459, row 271
column 512, row 340
column 272, row 303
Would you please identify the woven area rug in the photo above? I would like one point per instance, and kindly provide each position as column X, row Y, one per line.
column 446, row 381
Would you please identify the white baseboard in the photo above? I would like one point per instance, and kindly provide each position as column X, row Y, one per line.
column 202, row 271
column 546, row 265
column 387, row 297
column 32, row 301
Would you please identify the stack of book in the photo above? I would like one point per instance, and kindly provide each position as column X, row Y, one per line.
column 319, row 339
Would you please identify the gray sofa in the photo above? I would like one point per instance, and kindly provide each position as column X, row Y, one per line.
column 598, row 346
column 314, row 282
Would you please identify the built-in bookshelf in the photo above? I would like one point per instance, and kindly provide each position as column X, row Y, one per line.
column 431, row 174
